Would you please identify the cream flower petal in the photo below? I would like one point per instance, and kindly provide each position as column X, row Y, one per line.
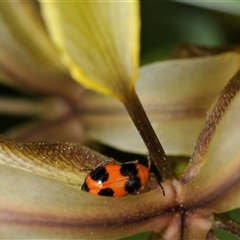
column 99, row 41
column 48, row 207
column 55, row 120
column 176, row 95
column 62, row 129
column 215, row 176
column 28, row 59
column 43, row 208
column 227, row 201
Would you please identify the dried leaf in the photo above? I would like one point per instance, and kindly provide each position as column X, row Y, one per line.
column 99, row 42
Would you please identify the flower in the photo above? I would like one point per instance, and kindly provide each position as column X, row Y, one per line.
column 30, row 63
column 39, row 191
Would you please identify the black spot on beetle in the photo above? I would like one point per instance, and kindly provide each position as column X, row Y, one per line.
column 99, row 174
column 129, row 169
column 133, row 184
column 85, row 187
column 106, row 192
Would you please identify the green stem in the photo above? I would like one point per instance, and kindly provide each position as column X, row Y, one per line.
column 145, row 129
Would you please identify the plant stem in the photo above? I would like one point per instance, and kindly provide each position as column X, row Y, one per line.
column 222, row 221
column 145, row 129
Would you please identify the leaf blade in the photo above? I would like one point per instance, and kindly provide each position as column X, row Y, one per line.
column 40, row 207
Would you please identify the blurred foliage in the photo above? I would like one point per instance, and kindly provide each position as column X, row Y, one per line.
column 140, row 236
column 8, row 121
column 223, row 234
column 166, row 24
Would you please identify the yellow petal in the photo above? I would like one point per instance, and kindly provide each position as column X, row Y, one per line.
column 176, row 95
column 99, row 41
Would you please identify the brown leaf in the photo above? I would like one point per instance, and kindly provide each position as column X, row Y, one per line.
column 62, row 161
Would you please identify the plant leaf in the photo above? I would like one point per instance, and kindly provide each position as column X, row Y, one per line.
column 99, row 42
column 176, row 95
column 62, row 161
column 30, row 61
column 46, row 207
column 216, row 171
column 32, row 206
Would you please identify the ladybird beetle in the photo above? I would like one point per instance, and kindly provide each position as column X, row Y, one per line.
column 114, row 180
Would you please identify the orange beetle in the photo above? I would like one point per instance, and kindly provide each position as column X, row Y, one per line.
column 114, row 180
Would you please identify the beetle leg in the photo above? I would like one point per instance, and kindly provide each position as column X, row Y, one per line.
column 159, row 183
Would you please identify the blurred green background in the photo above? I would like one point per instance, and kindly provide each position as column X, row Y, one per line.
column 168, row 23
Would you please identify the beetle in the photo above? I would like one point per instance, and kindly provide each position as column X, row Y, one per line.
column 117, row 180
